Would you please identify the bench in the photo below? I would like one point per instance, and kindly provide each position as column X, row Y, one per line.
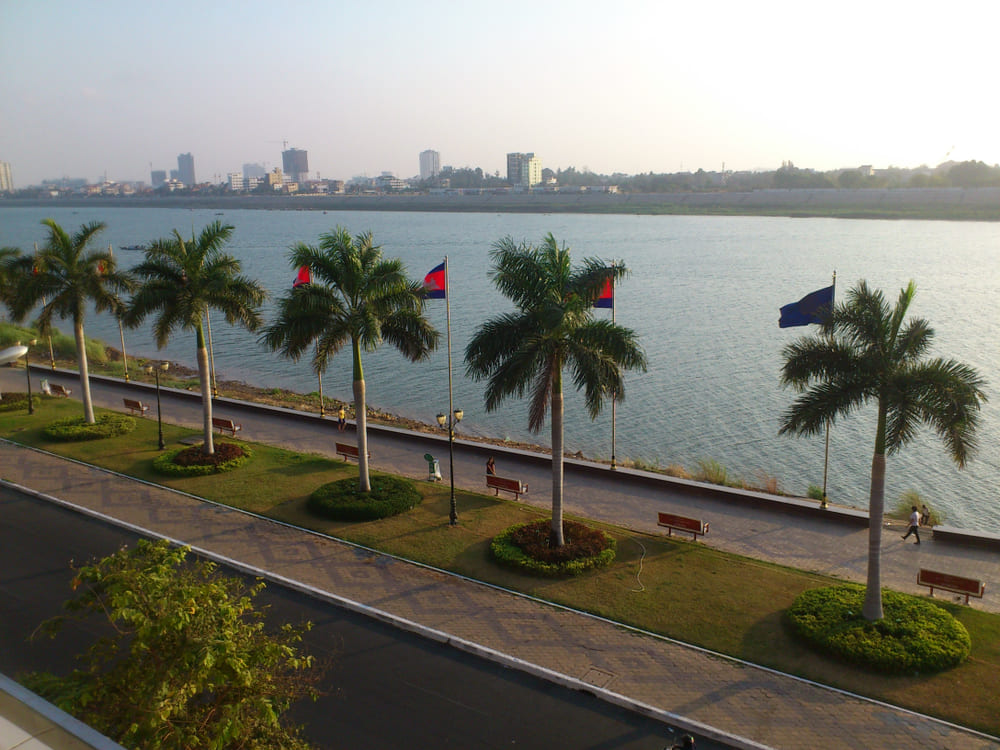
column 507, row 485
column 957, row 584
column 135, row 407
column 349, row 451
column 672, row 521
column 58, row 390
column 226, row 425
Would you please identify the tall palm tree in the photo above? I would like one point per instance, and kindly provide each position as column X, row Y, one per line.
column 357, row 297
column 863, row 354
column 553, row 328
column 180, row 282
column 8, row 261
column 69, row 276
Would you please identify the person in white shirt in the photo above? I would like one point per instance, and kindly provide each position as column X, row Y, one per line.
column 914, row 524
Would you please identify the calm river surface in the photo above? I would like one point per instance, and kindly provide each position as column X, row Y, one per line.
column 703, row 295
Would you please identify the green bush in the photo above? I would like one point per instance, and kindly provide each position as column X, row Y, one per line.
column 63, row 346
column 914, row 636
column 191, row 462
column 712, row 471
column 524, row 546
column 815, row 492
column 342, row 501
column 16, row 401
column 76, row 429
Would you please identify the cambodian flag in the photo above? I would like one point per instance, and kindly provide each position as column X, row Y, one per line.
column 436, row 283
column 607, row 298
column 304, row 277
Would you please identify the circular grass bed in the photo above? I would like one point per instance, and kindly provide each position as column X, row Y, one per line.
column 526, row 547
column 914, row 635
column 76, row 429
column 342, row 501
column 191, row 462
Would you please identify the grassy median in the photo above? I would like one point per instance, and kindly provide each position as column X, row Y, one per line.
column 684, row 590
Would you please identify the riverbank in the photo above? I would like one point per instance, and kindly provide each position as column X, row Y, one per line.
column 950, row 204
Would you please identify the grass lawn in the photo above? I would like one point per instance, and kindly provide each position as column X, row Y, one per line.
column 685, row 590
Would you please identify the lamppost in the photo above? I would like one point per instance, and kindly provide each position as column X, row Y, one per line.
column 155, row 371
column 443, row 420
column 27, row 372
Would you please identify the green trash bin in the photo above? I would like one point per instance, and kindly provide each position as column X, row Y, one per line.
column 433, row 468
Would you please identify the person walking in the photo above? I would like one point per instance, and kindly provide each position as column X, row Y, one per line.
column 341, row 419
column 914, row 524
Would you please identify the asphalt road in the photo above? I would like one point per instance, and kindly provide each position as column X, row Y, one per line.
column 386, row 689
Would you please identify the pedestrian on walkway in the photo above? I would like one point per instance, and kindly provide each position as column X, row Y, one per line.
column 341, row 419
column 491, row 467
column 925, row 515
column 914, row 524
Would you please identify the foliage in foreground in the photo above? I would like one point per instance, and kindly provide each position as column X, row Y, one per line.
column 189, row 664
column 527, row 546
column 914, row 636
column 16, row 401
column 77, row 428
column 343, row 501
column 192, row 462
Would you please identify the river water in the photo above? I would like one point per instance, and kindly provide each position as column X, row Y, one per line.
column 703, row 296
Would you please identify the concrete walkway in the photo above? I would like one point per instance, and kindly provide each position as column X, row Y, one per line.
column 684, row 685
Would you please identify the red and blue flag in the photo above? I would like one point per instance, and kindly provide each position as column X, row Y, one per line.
column 436, row 283
column 607, row 298
column 303, row 277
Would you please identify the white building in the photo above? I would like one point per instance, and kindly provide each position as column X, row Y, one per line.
column 430, row 164
column 236, row 183
column 6, row 177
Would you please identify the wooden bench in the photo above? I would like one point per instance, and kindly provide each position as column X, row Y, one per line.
column 226, row 425
column 349, row 451
column 58, row 390
column 507, row 485
column 957, row 584
column 135, row 407
column 672, row 521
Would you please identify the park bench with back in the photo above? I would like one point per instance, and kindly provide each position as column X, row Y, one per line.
column 349, row 451
column 672, row 522
column 226, row 425
column 948, row 582
column 135, row 407
column 507, row 484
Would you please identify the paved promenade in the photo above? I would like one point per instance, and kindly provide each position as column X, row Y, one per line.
column 650, row 673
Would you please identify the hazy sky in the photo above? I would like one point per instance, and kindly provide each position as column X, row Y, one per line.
column 92, row 87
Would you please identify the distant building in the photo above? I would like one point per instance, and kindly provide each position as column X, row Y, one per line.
column 158, row 178
column 295, row 164
column 6, row 177
column 524, row 170
column 254, row 170
column 430, row 164
column 236, row 183
column 185, row 169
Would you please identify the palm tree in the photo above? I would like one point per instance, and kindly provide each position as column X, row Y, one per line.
column 552, row 328
column 355, row 297
column 180, row 282
column 69, row 277
column 8, row 261
column 865, row 353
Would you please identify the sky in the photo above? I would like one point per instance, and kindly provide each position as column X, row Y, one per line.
column 91, row 88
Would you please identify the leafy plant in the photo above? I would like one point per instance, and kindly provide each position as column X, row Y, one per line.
column 528, row 547
column 815, row 492
column 710, row 470
column 192, row 462
column 77, row 428
column 344, row 501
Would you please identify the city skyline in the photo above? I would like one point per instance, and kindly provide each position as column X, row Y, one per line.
column 651, row 87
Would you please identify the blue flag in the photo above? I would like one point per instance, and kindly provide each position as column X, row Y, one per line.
column 435, row 283
column 812, row 308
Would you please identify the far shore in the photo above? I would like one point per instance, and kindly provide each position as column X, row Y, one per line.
column 949, row 204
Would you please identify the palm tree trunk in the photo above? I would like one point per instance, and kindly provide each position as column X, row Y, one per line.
column 361, row 421
column 81, row 357
column 872, row 609
column 556, row 537
column 206, row 393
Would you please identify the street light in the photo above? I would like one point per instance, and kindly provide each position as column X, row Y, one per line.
column 27, row 372
column 443, row 420
column 155, row 371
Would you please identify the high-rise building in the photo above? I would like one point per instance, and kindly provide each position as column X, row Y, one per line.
column 295, row 164
column 185, row 169
column 430, row 164
column 524, row 170
column 254, row 170
column 158, row 177
column 6, row 177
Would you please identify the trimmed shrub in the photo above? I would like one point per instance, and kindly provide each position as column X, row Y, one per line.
column 16, row 401
column 342, row 501
column 914, row 636
column 526, row 547
column 191, row 462
column 76, row 429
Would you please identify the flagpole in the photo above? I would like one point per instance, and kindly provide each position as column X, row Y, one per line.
column 826, row 452
column 614, row 394
column 319, row 376
column 121, row 331
column 453, row 513
column 211, row 352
